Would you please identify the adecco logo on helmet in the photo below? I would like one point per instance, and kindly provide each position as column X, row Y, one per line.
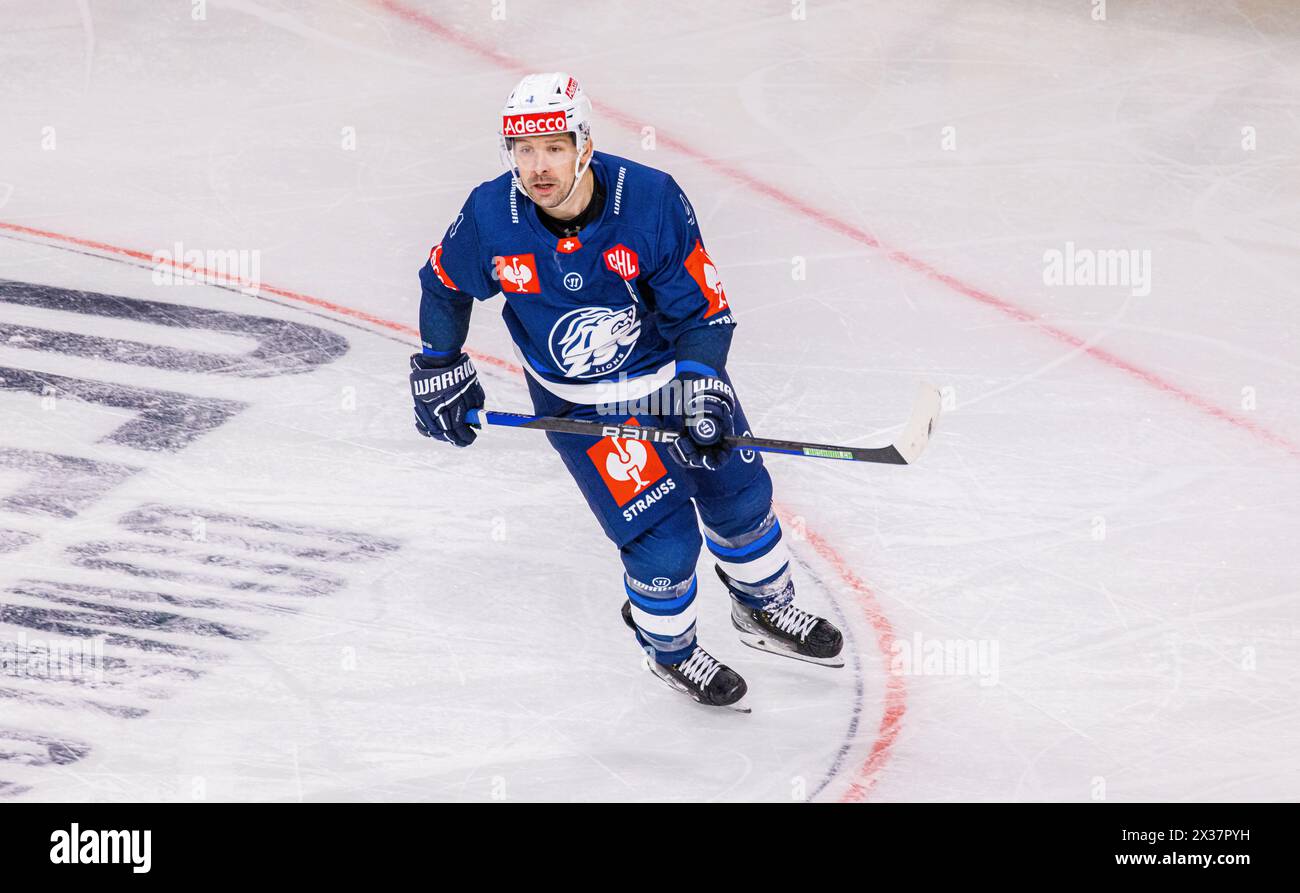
column 537, row 122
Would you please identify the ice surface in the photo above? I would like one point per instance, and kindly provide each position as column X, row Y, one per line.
column 329, row 607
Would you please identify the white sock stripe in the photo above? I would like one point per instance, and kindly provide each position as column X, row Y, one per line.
column 671, row 625
column 760, row 568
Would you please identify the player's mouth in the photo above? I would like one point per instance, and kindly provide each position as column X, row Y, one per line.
column 543, row 188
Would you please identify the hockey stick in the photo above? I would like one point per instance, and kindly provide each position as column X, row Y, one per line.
column 903, row 451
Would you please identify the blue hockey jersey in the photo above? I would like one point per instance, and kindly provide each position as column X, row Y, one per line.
column 615, row 303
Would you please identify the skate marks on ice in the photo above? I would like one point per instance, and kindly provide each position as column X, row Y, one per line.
column 32, row 749
column 128, row 618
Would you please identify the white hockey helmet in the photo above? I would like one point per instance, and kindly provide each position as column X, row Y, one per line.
column 546, row 103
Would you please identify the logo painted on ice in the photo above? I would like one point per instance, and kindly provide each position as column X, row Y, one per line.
column 593, row 341
column 623, row 261
column 573, row 281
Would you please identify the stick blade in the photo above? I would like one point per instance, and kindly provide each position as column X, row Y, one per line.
column 920, row 427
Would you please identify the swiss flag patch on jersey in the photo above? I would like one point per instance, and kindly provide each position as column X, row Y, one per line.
column 518, row 274
column 628, row 467
column 706, row 277
column 434, row 255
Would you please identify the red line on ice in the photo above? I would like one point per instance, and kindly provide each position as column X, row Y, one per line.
column 895, row 706
column 857, row 234
column 204, row 273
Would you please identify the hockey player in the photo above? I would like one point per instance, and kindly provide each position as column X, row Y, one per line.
column 618, row 315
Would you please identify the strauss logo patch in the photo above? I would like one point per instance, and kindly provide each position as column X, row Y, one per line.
column 592, row 341
column 517, row 274
column 627, row 467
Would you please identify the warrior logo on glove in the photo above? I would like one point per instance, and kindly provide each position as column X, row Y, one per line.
column 444, row 394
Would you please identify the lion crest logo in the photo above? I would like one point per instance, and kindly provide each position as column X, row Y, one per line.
column 592, row 341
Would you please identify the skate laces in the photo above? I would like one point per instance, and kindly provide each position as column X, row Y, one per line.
column 700, row 667
column 794, row 621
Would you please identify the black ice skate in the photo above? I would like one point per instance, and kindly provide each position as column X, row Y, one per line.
column 788, row 631
column 701, row 675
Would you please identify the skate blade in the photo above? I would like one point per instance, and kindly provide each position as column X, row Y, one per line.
column 762, row 643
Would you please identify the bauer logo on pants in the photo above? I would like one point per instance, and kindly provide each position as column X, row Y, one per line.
column 628, row 467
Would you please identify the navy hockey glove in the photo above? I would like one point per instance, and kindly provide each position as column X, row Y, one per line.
column 710, row 409
column 443, row 394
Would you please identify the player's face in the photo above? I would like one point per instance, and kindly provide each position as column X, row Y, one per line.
column 546, row 165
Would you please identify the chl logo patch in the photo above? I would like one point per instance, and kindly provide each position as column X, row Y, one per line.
column 628, row 467
column 623, row 261
column 518, row 274
column 706, row 277
column 434, row 254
